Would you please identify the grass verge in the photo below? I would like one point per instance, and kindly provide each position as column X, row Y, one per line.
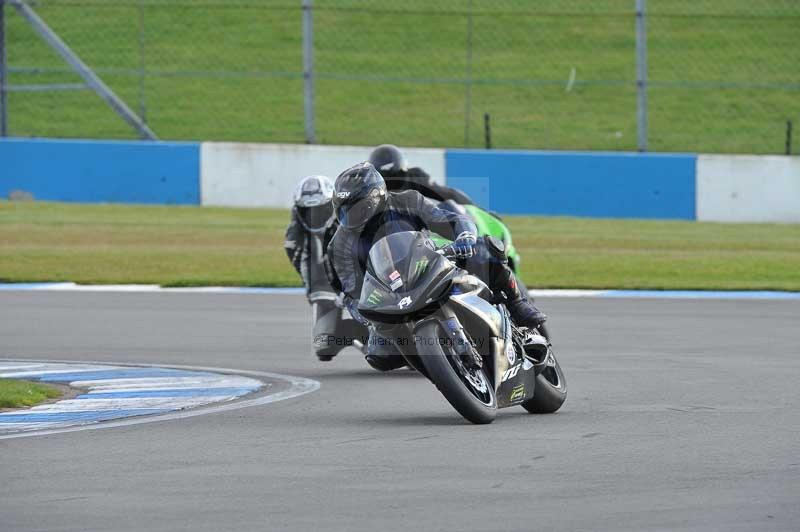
column 21, row 394
column 197, row 246
column 723, row 73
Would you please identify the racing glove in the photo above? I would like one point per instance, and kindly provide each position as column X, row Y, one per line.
column 351, row 305
column 464, row 245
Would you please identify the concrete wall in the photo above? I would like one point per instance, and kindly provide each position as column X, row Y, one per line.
column 743, row 188
column 101, row 171
column 255, row 175
column 619, row 185
column 612, row 185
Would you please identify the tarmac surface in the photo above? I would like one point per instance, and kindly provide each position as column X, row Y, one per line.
column 681, row 415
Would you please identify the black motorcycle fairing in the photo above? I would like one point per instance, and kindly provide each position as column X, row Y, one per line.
column 382, row 305
column 468, row 301
column 405, row 276
column 399, row 260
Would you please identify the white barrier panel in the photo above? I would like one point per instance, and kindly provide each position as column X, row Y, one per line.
column 748, row 188
column 265, row 175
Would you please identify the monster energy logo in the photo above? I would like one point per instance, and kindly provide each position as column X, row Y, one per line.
column 517, row 393
column 374, row 298
column 420, row 266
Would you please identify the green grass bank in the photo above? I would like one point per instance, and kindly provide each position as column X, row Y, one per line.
column 197, row 246
column 22, row 394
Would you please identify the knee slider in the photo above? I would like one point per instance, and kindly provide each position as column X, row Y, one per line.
column 496, row 250
column 495, row 247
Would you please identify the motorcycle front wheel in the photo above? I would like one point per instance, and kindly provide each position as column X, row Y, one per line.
column 468, row 390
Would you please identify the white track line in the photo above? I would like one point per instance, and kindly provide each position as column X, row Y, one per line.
column 610, row 293
column 161, row 383
column 50, row 369
column 297, row 386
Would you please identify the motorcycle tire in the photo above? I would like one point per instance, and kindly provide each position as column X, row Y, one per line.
column 550, row 391
column 475, row 402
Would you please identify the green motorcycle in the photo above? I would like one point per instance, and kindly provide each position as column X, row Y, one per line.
column 488, row 224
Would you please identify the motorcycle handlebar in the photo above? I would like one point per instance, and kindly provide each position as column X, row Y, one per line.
column 448, row 251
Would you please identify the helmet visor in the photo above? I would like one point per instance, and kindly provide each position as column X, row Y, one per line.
column 316, row 217
column 358, row 213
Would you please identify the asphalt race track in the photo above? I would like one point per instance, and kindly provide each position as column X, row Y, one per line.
column 682, row 415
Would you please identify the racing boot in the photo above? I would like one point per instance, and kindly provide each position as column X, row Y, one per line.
column 382, row 354
column 490, row 263
column 523, row 312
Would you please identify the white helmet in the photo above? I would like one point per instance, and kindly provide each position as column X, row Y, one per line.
column 312, row 199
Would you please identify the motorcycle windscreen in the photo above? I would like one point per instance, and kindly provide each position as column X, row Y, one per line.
column 400, row 259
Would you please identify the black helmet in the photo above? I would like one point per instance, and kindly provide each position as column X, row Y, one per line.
column 389, row 160
column 358, row 194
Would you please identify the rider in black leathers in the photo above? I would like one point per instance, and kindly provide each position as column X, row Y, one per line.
column 392, row 165
column 367, row 212
column 311, row 228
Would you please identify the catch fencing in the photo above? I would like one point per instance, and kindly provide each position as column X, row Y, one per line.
column 715, row 76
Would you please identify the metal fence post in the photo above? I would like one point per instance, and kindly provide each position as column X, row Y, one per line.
column 82, row 69
column 308, row 70
column 641, row 74
column 468, row 91
column 3, row 73
column 142, row 72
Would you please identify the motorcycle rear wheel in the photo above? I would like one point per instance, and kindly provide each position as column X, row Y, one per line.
column 550, row 391
column 470, row 392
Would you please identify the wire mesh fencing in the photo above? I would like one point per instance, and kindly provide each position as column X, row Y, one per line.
column 721, row 76
column 724, row 76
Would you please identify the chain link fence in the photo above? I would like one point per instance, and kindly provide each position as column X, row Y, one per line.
column 721, row 76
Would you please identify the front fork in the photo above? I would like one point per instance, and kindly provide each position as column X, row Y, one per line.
column 455, row 335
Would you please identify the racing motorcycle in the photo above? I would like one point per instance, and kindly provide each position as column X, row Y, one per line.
column 450, row 327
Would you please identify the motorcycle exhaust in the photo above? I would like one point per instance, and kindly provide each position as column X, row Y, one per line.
column 537, row 349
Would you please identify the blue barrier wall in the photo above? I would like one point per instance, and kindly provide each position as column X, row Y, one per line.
column 613, row 185
column 608, row 185
column 101, row 171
